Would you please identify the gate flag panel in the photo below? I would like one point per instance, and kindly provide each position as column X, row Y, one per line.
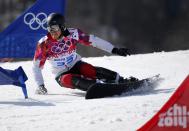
column 19, row 39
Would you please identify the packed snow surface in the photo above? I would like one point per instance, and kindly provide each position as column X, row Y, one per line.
column 67, row 110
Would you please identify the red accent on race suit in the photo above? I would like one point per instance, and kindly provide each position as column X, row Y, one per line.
column 84, row 70
column 51, row 48
column 66, row 80
column 88, row 71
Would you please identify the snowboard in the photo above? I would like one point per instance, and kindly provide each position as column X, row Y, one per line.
column 101, row 90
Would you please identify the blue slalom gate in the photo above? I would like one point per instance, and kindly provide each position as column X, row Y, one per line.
column 15, row 77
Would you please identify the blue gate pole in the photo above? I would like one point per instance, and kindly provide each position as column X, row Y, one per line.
column 23, row 86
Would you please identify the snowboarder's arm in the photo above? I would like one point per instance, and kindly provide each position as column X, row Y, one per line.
column 107, row 46
column 38, row 63
column 91, row 40
column 37, row 73
column 41, row 90
column 101, row 44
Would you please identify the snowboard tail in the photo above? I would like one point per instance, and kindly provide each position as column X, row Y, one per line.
column 101, row 90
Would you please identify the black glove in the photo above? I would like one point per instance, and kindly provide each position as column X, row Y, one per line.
column 121, row 51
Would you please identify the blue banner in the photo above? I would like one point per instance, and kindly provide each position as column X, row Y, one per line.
column 19, row 39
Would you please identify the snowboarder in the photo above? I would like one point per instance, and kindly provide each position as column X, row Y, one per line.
column 59, row 48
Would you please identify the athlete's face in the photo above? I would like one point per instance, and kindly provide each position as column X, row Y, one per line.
column 55, row 31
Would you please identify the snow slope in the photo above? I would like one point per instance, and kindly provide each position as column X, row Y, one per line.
column 67, row 110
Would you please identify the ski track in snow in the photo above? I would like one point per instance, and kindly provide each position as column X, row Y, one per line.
column 67, row 110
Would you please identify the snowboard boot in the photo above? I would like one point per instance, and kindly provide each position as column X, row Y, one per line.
column 82, row 83
column 106, row 75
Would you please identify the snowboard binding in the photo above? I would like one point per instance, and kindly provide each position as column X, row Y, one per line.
column 128, row 80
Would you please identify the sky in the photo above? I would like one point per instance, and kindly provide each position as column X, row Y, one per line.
column 67, row 110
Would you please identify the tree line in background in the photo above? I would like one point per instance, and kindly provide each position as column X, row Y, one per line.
column 10, row 9
column 142, row 26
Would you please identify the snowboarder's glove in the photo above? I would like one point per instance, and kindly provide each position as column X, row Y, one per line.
column 121, row 51
column 41, row 90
